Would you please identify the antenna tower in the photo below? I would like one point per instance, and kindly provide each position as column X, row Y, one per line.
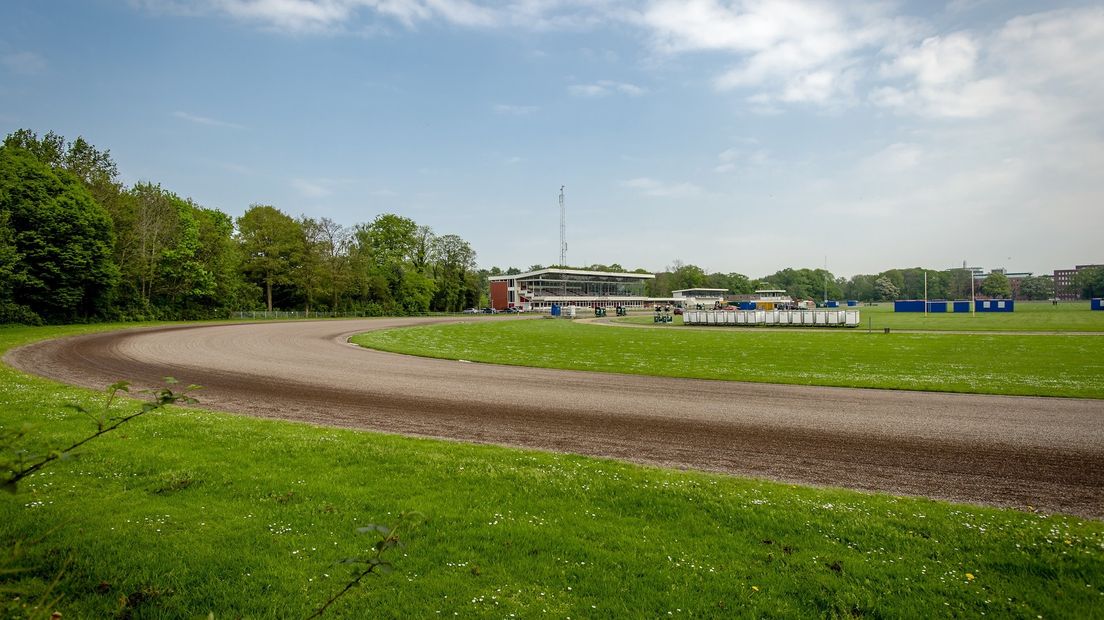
column 563, row 230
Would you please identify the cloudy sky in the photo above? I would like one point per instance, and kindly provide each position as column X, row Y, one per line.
column 739, row 135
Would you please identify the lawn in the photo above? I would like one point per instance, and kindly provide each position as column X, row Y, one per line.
column 989, row 364
column 188, row 512
column 1068, row 316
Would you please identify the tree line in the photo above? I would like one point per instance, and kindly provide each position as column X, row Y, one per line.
column 78, row 245
column 887, row 285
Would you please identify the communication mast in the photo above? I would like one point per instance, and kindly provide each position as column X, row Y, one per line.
column 563, row 229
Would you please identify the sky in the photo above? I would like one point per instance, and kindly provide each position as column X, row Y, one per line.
column 738, row 135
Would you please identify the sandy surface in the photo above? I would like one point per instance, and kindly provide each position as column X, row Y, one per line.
column 998, row 450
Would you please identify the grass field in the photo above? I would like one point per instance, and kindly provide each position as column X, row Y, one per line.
column 1028, row 317
column 189, row 512
column 989, row 364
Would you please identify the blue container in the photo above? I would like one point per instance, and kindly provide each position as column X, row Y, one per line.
column 1098, row 304
column 555, row 309
column 994, row 305
column 746, row 305
column 831, row 304
column 937, row 306
column 908, row 305
column 851, row 303
column 961, row 306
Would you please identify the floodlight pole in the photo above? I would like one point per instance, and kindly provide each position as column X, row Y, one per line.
column 973, row 304
column 925, row 294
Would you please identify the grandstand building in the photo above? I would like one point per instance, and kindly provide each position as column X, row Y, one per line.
column 540, row 289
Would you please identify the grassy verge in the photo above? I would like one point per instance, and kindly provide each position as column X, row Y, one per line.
column 191, row 512
column 1017, row 365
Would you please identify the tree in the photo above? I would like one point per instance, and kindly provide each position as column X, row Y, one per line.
column 332, row 240
column 685, row 276
column 270, row 244
column 860, row 287
column 1036, row 288
column 885, row 289
column 454, row 266
column 996, row 286
column 1090, row 282
column 62, row 237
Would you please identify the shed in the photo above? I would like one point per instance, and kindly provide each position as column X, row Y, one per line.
column 994, row 305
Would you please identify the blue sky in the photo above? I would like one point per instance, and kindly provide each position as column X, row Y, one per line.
column 737, row 135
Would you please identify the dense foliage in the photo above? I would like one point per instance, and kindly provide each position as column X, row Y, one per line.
column 77, row 245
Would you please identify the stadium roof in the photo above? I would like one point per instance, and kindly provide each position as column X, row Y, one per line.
column 576, row 272
column 711, row 290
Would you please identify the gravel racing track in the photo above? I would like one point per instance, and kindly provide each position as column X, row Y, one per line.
column 997, row 450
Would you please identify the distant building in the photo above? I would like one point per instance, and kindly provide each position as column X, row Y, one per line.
column 1064, row 287
column 1015, row 279
column 538, row 290
column 691, row 297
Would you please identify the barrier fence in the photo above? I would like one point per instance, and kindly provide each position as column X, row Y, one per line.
column 782, row 318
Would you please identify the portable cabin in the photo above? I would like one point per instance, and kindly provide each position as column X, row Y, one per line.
column 908, row 305
column 994, row 305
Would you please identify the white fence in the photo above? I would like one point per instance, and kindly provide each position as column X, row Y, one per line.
column 751, row 318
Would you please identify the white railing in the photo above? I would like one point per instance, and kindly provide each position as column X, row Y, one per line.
column 751, row 318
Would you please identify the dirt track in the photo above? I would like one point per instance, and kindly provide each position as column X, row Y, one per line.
column 1008, row 451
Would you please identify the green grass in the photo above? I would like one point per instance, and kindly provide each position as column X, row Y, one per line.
column 189, row 512
column 1029, row 316
column 988, row 364
column 1039, row 316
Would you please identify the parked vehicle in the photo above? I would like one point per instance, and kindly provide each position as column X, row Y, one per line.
column 490, row 311
column 471, row 311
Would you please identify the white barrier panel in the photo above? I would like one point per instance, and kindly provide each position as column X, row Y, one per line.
column 814, row 318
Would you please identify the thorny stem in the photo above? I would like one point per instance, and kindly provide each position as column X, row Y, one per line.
column 375, row 562
column 164, row 397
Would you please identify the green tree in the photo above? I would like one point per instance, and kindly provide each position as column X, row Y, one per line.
column 1090, row 282
column 684, row 276
column 861, row 287
column 220, row 256
column 458, row 285
column 1037, row 288
column 996, row 285
column 62, row 237
column 271, row 243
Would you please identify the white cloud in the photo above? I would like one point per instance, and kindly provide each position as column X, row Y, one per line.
column 602, row 88
column 312, row 188
column 26, row 63
column 336, row 16
column 1048, row 66
column 792, row 51
column 515, row 110
column 659, row 189
column 730, row 160
column 203, row 120
column 895, row 158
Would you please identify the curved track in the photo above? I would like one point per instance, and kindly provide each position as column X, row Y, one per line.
column 1008, row 451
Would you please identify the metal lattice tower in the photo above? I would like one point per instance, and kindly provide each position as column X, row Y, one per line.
column 563, row 229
